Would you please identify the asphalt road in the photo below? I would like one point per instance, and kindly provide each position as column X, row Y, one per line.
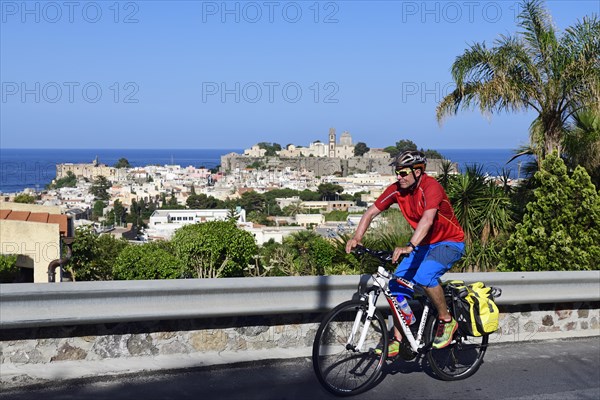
column 554, row 370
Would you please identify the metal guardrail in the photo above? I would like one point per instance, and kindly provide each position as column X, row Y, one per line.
column 35, row 305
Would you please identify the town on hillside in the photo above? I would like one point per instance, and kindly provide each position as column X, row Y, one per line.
column 271, row 193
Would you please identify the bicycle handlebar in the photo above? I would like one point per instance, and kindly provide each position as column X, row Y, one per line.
column 383, row 255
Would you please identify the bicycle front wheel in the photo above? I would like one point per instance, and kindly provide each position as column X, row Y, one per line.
column 460, row 359
column 341, row 366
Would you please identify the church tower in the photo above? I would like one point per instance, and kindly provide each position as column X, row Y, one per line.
column 331, row 142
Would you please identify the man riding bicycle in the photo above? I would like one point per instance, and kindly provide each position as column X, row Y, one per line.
column 436, row 243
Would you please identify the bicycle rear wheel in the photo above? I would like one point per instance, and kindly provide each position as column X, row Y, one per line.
column 460, row 359
column 340, row 366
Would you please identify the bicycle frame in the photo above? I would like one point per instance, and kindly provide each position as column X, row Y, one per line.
column 380, row 285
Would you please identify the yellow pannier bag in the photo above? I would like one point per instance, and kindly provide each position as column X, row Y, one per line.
column 474, row 308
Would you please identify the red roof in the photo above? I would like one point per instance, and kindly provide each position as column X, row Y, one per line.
column 28, row 216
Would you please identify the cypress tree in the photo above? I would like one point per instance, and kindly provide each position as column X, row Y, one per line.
column 561, row 227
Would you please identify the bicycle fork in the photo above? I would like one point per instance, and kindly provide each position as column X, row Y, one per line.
column 371, row 300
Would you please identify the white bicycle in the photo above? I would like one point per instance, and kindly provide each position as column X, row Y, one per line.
column 350, row 347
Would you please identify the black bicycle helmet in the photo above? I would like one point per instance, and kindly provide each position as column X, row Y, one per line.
column 409, row 158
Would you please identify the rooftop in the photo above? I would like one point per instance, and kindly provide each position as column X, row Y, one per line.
column 28, row 216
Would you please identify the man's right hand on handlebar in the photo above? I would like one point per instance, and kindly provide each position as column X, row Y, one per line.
column 351, row 244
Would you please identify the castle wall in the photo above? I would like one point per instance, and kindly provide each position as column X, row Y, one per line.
column 321, row 166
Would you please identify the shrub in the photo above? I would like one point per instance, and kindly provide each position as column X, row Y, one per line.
column 148, row 261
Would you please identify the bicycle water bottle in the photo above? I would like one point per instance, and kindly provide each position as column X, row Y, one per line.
column 406, row 311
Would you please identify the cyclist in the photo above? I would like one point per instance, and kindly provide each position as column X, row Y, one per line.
column 436, row 243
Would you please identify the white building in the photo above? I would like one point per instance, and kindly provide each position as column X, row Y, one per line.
column 377, row 153
column 263, row 234
column 255, row 151
column 315, row 149
column 164, row 223
column 310, row 219
column 344, row 148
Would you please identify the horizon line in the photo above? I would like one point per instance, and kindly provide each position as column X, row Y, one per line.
column 214, row 148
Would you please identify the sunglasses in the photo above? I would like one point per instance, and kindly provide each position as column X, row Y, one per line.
column 404, row 172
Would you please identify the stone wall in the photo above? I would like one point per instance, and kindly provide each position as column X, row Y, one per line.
column 232, row 339
column 322, row 166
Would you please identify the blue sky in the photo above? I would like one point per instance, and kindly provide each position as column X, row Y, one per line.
column 213, row 74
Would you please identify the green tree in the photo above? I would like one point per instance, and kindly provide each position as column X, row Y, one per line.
column 271, row 148
column 433, row 154
column 280, row 193
column 392, row 150
column 555, row 75
column 481, row 208
column 360, row 148
column 480, row 205
column 94, row 255
column 329, row 191
column 293, row 208
column 24, row 198
column 171, row 203
column 582, row 143
column 405, row 145
column 312, row 254
column 119, row 212
column 214, row 249
column 122, row 163
column 309, row 195
column 202, row 202
column 446, row 176
column 8, row 268
column 70, row 180
column 252, row 201
column 98, row 209
column 140, row 210
column 258, row 218
column 232, row 214
column 148, row 261
column 100, row 188
column 561, row 228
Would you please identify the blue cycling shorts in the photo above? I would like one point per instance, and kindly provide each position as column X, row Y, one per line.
column 426, row 264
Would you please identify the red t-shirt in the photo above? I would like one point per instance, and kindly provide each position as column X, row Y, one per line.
column 428, row 195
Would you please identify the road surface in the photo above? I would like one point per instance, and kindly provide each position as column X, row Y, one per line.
column 553, row 370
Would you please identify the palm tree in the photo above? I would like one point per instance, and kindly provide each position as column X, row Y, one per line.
column 535, row 69
column 293, row 208
column 466, row 193
column 445, row 176
column 582, row 143
column 481, row 207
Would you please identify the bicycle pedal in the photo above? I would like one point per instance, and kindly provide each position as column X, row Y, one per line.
column 406, row 353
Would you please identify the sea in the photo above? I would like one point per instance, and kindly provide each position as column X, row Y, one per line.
column 35, row 168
